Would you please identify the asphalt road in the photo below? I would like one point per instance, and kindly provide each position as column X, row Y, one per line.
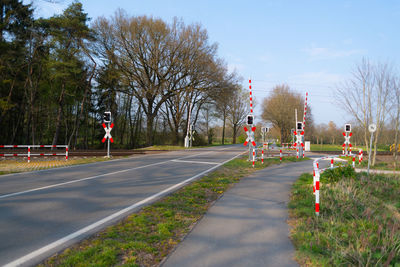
column 43, row 212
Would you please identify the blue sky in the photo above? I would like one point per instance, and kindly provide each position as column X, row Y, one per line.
column 310, row 45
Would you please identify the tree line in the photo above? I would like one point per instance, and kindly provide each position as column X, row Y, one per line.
column 58, row 76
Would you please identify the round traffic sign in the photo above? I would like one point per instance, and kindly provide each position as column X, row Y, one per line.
column 372, row 128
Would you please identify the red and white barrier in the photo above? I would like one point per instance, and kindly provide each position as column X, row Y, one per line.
column 316, row 176
column 360, row 156
column 305, row 112
column 262, row 155
column 280, row 155
column 251, row 98
column 354, row 162
column 254, row 156
column 29, row 152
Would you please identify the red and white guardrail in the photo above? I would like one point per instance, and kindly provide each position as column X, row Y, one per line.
column 29, row 154
column 317, row 172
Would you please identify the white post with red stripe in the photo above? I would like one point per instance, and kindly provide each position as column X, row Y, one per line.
column 360, row 156
column 251, row 98
column 29, row 154
column 317, row 192
column 262, row 155
column 354, row 162
column 66, row 153
column 304, row 122
column 254, row 156
column 331, row 163
column 280, row 155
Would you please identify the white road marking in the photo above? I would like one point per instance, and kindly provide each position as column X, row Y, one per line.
column 49, row 247
column 199, row 162
column 94, row 177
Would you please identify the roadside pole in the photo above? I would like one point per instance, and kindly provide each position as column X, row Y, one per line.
column 371, row 129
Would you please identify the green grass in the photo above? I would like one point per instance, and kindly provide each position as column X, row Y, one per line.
column 329, row 147
column 145, row 238
column 359, row 222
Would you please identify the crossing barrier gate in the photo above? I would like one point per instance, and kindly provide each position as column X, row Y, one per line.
column 29, row 153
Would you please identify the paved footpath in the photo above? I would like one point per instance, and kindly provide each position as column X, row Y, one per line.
column 247, row 226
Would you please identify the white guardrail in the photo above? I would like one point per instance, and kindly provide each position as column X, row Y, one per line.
column 29, row 154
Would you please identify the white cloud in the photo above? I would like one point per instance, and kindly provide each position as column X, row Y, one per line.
column 323, row 53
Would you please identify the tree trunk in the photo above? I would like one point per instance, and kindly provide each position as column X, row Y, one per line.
column 234, row 133
column 223, row 128
column 149, row 129
column 59, row 115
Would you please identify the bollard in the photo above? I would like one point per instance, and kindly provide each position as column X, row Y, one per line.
column 331, row 163
column 317, row 193
column 354, row 162
column 29, row 154
column 262, row 156
column 313, row 185
column 66, row 153
column 360, row 157
column 280, row 156
column 254, row 156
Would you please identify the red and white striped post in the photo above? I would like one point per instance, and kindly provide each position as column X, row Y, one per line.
column 280, row 156
column 354, row 162
column 313, row 184
column 66, row 153
column 305, row 111
column 254, row 156
column 360, row 156
column 262, row 155
column 317, row 192
column 29, row 154
column 304, row 122
column 251, row 98
column 331, row 163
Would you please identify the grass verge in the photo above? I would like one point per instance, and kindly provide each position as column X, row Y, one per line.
column 145, row 238
column 13, row 166
column 359, row 222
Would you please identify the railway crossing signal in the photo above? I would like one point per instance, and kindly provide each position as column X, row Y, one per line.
column 108, row 133
column 347, row 134
column 107, row 116
column 250, row 136
column 250, row 120
column 107, row 129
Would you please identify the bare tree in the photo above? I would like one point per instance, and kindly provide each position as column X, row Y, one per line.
column 156, row 60
column 238, row 108
column 365, row 97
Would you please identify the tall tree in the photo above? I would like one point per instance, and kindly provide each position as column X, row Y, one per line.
column 68, row 31
column 279, row 108
column 156, row 60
